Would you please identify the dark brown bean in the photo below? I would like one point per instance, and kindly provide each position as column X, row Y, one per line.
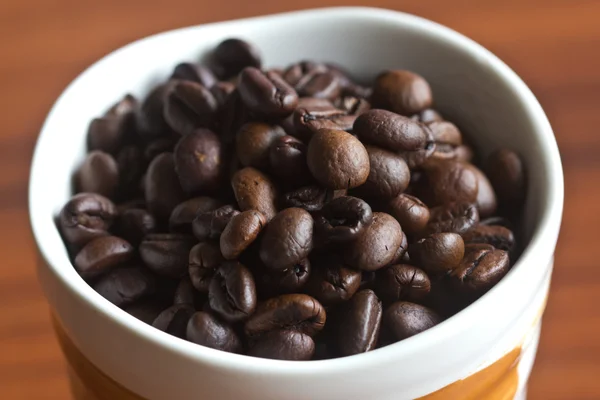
column 287, row 157
column 85, row 217
column 146, row 310
column 189, row 106
column 149, row 118
column 403, row 319
column 203, row 260
column 266, row 94
column 124, row 286
column 427, row 116
column 210, row 224
column 411, row 213
column 309, row 198
column 253, row 143
column 453, row 217
column 388, row 175
column 402, row 282
column 99, row 173
column 402, row 92
column 320, row 85
column 186, row 293
column 343, row 219
column 284, row 345
column 486, row 197
column 232, row 292
column 506, row 171
column 198, row 162
column 255, row 191
column 331, row 283
column 240, row 232
column 439, row 253
column 174, row 320
column 358, row 330
column 498, row 236
column 162, row 189
column 482, row 267
column 182, row 216
column 446, row 181
column 207, row 330
column 233, row 55
column 101, row 255
column 194, row 73
column 167, row 254
column 135, row 223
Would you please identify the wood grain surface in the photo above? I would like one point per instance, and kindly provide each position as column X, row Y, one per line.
column 553, row 44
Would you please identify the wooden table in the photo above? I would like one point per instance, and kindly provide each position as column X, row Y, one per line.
column 553, row 44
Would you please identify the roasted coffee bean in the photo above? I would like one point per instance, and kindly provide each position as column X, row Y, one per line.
column 158, row 146
column 312, row 114
column 439, row 253
column 203, row 260
column 149, row 118
column 240, row 232
column 292, row 278
column 166, row 253
column 464, row 153
column 486, row 197
column 287, row 239
column 452, row 217
column 401, row 282
column 132, row 165
column 210, row 224
column 198, row 162
column 266, row 94
column 207, row 330
column 482, row 267
column 287, row 157
column 99, row 173
column 506, row 171
column 353, row 105
column 183, row 215
column 401, row 255
column 343, row 219
column 320, row 85
column 255, row 191
column 402, row 92
column 189, row 106
column 388, row 175
column 309, row 198
column 232, row 292
column 392, row 131
column 359, row 91
column 377, row 245
column 162, row 190
column 427, row 116
column 337, row 159
column 106, row 134
column 253, row 142
column 331, row 283
column 85, row 217
column 186, row 293
column 298, row 312
column 447, row 181
column 404, row 319
column 233, row 55
column 294, row 73
column 146, row 310
column 358, row 330
column 284, row 345
column 221, row 91
column 497, row 221
column 232, row 116
column 174, row 320
column 498, row 236
column 123, row 286
column 135, row 223
column 447, row 138
column 101, row 255
column 411, row 212
column 194, row 73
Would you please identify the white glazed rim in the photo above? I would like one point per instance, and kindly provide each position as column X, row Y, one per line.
column 527, row 268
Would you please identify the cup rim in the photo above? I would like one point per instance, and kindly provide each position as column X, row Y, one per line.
column 543, row 238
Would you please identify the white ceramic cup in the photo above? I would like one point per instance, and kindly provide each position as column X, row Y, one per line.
column 470, row 85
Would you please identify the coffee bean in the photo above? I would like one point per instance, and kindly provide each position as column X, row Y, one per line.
column 497, row 221
column 447, row 138
column 210, row 224
column 183, row 215
column 392, row 131
column 186, row 293
column 198, row 162
column 452, row 217
column 232, row 116
column 482, row 267
column 194, row 73
column 232, row 292
column 135, row 223
column 287, row 157
column 174, row 320
column 401, row 282
column 207, row 330
column 99, row 173
column 427, row 116
column 221, row 91
column 292, row 278
column 331, row 283
column 189, row 106
column 439, row 253
column 401, row 255
column 464, row 153
column 447, row 181
column 388, row 175
column 254, row 191
column 498, row 236
column 309, row 198
column 295, row 72
column 337, row 159
column 85, row 217
column 298, row 312
column 240, row 232
column 358, row 330
column 320, row 85
column 167, row 253
column 266, row 94
column 343, row 219
column 131, row 165
column 159, row 145
column 124, row 286
column 284, row 345
column 146, row 310
column 106, row 134
column 411, row 212
column 404, row 319
column 101, row 255
column 307, row 121
column 402, row 92
column 287, row 239
column 233, row 55
column 377, row 245
column 486, row 197
column 506, row 171
column 162, row 190
column 149, row 118
column 353, row 105
column 253, row 143
column 203, row 260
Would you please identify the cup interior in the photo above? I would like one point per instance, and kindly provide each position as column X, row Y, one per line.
column 471, row 87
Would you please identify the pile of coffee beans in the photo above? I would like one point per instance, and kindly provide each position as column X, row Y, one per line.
column 289, row 213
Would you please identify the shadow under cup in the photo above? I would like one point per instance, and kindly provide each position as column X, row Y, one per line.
column 485, row 351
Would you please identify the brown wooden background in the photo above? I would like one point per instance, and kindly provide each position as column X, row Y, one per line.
column 553, row 44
